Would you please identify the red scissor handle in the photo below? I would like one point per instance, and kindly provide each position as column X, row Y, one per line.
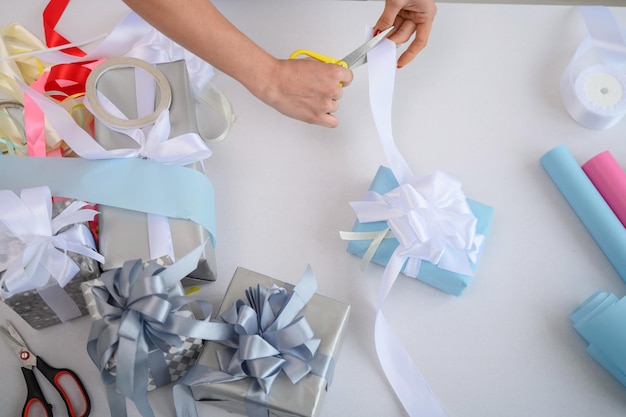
column 69, row 386
column 35, row 401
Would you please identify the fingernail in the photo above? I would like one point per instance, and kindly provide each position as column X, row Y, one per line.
column 377, row 32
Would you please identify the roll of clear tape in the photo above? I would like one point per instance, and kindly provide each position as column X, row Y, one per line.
column 100, row 111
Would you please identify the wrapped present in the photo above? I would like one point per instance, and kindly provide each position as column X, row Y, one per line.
column 434, row 272
column 46, row 252
column 143, row 333
column 281, row 362
column 422, row 225
column 126, row 234
column 600, row 321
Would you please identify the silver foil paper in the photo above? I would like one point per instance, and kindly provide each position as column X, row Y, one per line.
column 123, row 234
column 328, row 319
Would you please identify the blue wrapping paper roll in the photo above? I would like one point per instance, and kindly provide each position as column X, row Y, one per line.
column 449, row 282
column 601, row 320
column 588, row 204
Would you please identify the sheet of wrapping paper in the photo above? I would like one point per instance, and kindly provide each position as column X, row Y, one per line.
column 588, row 204
column 600, row 320
column 450, row 282
column 328, row 319
column 178, row 361
column 34, row 310
column 123, row 233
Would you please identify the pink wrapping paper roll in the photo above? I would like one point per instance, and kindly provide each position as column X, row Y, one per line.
column 610, row 180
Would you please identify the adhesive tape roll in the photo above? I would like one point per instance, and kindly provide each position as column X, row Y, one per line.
column 99, row 110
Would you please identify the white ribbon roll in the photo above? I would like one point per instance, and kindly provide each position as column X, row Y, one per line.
column 593, row 86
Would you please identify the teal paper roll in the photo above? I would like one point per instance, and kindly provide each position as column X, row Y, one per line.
column 601, row 320
column 588, row 204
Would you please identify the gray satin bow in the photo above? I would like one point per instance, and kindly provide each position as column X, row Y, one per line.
column 270, row 338
column 139, row 325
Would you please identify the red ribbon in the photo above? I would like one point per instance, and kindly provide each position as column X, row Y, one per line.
column 51, row 16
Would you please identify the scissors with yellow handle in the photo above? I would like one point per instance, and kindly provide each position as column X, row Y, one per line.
column 353, row 59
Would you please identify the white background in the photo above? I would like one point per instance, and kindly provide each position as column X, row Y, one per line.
column 481, row 103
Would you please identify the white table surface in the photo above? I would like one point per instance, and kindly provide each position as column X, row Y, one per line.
column 481, row 103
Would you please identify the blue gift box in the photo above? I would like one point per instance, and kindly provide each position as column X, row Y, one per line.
column 449, row 282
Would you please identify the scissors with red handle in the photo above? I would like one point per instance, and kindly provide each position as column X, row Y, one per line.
column 65, row 381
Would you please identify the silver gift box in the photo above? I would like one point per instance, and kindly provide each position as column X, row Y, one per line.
column 123, row 234
column 178, row 360
column 328, row 319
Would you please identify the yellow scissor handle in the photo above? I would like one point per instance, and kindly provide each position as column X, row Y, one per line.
column 319, row 57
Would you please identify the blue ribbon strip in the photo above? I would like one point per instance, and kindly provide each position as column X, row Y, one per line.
column 133, row 184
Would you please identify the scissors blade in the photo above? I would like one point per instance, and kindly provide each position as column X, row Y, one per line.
column 359, row 55
column 14, row 339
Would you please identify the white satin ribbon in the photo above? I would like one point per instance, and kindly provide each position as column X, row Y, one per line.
column 593, row 86
column 430, row 218
column 31, row 241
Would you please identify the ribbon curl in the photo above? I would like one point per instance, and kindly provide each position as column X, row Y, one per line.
column 141, row 321
column 36, row 244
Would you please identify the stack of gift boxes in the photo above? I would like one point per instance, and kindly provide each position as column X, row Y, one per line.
column 127, row 142
column 121, row 144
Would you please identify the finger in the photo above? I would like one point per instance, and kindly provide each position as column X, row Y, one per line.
column 405, row 29
column 422, row 33
column 327, row 120
column 388, row 15
column 346, row 78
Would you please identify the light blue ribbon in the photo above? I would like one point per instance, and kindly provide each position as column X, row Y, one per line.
column 138, row 327
column 133, row 184
column 270, row 338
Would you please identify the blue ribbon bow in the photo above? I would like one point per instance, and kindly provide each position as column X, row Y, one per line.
column 140, row 322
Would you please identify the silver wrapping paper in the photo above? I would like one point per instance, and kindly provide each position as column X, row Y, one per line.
column 178, row 360
column 123, row 234
column 34, row 310
column 328, row 319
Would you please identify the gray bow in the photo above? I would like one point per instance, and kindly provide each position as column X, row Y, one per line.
column 139, row 325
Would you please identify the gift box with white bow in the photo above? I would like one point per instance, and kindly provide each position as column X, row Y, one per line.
column 46, row 252
column 441, row 233
column 120, row 95
column 281, row 361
